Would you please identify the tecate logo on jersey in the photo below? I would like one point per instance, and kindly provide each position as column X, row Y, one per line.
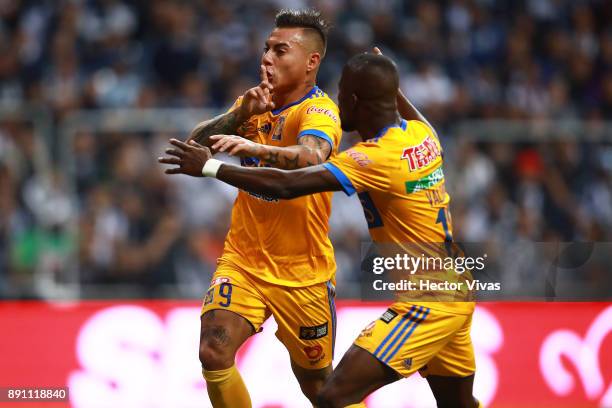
column 421, row 155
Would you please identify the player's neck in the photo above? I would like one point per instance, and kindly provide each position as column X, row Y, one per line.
column 284, row 99
column 371, row 128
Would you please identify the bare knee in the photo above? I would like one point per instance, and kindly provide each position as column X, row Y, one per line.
column 216, row 352
column 453, row 392
column 328, row 397
column 311, row 381
column 332, row 394
column 221, row 334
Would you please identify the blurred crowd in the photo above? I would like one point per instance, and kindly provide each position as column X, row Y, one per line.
column 118, row 219
column 459, row 58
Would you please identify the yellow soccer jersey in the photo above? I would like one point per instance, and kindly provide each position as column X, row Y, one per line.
column 399, row 179
column 286, row 242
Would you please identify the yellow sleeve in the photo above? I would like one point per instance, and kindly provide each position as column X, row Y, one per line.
column 248, row 129
column 360, row 168
column 236, row 104
column 320, row 118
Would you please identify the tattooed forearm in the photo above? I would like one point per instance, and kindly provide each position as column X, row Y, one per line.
column 270, row 157
column 310, row 151
column 291, row 162
column 308, row 163
column 227, row 123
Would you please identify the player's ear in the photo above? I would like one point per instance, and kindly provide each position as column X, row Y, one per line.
column 314, row 59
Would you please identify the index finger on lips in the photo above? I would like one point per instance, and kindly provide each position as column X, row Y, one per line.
column 266, row 86
column 265, row 83
column 261, row 96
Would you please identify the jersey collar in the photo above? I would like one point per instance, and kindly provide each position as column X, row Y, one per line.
column 302, row 99
column 384, row 130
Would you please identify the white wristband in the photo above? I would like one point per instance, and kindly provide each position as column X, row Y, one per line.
column 211, row 167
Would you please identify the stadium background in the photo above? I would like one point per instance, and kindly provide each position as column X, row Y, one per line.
column 90, row 92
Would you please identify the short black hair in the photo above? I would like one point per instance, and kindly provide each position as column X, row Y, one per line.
column 374, row 76
column 370, row 63
column 304, row 18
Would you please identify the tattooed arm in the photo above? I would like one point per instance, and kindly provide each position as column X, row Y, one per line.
column 189, row 158
column 309, row 151
column 255, row 101
column 227, row 123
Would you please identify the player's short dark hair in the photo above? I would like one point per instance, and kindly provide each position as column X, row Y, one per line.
column 376, row 75
column 381, row 64
column 305, row 18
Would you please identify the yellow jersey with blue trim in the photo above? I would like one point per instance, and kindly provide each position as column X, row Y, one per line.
column 285, row 242
column 399, row 179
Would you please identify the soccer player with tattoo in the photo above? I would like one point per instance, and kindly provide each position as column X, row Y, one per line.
column 395, row 170
column 277, row 259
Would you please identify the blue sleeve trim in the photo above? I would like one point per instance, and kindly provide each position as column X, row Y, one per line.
column 346, row 184
column 317, row 133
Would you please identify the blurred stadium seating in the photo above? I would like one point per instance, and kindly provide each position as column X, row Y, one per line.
column 90, row 91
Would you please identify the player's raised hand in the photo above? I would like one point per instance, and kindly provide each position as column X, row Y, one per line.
column 258, row 100
column 235, row 146
column 376, row 50
column 188, row 157
column 266, row 85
